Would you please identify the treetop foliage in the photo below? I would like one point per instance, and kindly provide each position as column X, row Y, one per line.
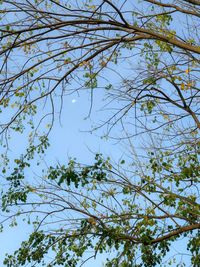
column 144, row 57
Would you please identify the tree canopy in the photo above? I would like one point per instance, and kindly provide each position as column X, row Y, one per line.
column 144, row 58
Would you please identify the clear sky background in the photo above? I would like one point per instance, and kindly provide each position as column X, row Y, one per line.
column 71, row 139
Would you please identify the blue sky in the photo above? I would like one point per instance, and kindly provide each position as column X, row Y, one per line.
column 71, row 139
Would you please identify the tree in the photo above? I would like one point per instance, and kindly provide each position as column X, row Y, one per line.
column 136, row 210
